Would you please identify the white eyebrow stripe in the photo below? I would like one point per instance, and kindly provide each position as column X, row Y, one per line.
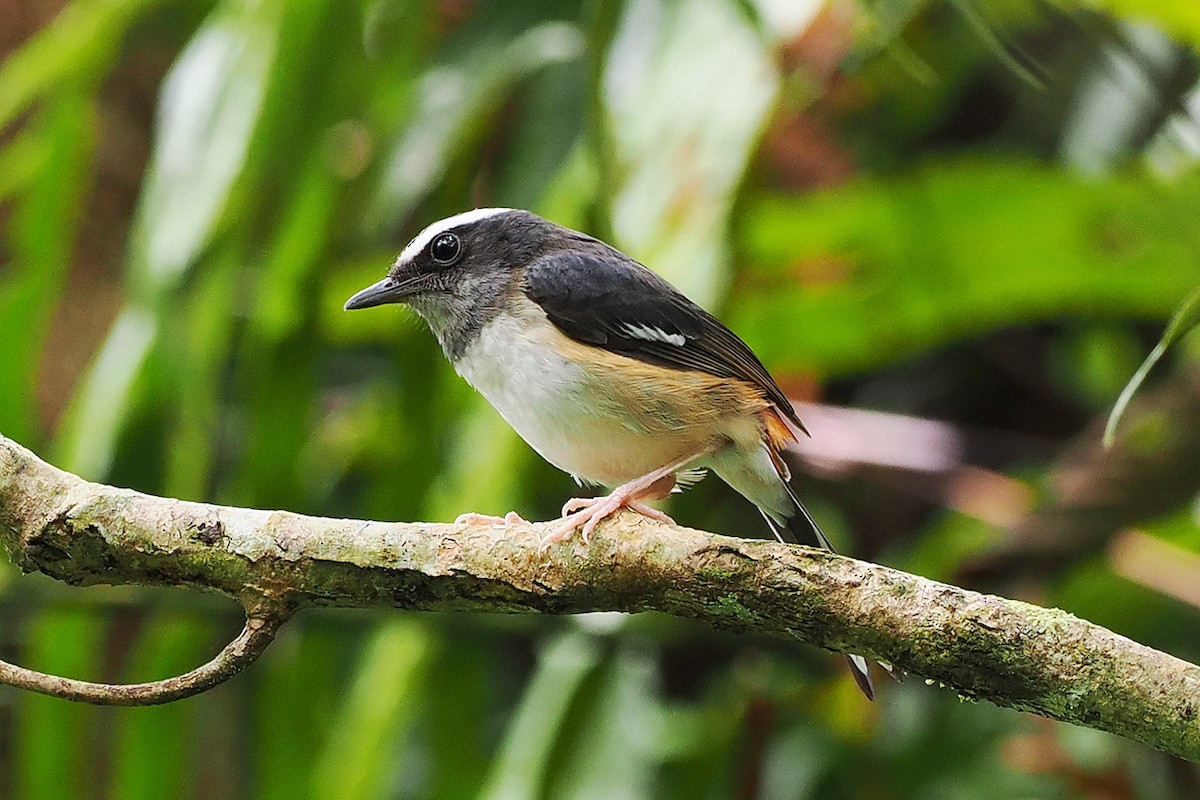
column 426, row 236
column 651, row 334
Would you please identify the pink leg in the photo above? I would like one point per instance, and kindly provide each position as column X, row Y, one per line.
column 578, row 503
column 584, row 514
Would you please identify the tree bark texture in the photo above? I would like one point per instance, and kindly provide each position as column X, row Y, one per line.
column 1013, row 654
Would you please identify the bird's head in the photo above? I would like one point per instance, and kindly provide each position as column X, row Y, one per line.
column 461, row 271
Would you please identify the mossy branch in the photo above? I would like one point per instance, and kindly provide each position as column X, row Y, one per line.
column 1013, row 654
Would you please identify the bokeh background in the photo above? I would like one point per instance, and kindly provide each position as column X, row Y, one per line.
column 952, row 229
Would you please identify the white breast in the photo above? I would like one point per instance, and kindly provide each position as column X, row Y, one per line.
column 553, row 403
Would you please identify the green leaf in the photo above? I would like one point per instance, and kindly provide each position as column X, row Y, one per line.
column 1181, row 19
column 170, row 644
column 80, row 42
column 93, row 420
column 297, row 690
column 679, row 155
column 192, row 358
column 41, row 232
column 987, row 32
column 49, row 732
column 467, row 672
column 873, row 271
column 22, row 159
column 616, row 721
column 519, row 769
column 454, row 103
column 366, row 737
column 1186, row 317
column 280, row 306
column 208, row 110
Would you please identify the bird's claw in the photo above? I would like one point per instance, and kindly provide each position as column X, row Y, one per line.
column 585, row 513
column 650, row 511
column 471, row 518
column 575, row 504
column 560, row 533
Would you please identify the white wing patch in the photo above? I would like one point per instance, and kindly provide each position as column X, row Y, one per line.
column 651, row 334
column 426, row 236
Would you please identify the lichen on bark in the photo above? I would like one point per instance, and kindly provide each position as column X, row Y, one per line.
column 1040, row 660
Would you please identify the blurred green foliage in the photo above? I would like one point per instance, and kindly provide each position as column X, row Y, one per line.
column 979, row 213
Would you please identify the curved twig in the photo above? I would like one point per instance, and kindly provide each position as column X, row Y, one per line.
column 257, row 633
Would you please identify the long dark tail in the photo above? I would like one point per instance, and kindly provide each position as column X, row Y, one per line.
column 802, row 527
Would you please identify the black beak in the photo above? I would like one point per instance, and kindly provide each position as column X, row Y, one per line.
column 388, row 290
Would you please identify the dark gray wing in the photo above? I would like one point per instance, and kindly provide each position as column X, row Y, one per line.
column 600, row 296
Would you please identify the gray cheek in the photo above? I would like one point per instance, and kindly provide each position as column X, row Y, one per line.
column 465, row 303
column 455, row 321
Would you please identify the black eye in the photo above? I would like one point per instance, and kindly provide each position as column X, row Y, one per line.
column 445, row 249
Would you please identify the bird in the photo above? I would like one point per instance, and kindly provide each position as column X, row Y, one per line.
column 603, row 367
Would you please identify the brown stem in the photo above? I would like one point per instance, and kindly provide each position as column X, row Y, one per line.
column 257, row 633
column 1013, row 654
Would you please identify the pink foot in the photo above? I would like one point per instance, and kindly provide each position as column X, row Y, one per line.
column 471, row 518
column 585, row 513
